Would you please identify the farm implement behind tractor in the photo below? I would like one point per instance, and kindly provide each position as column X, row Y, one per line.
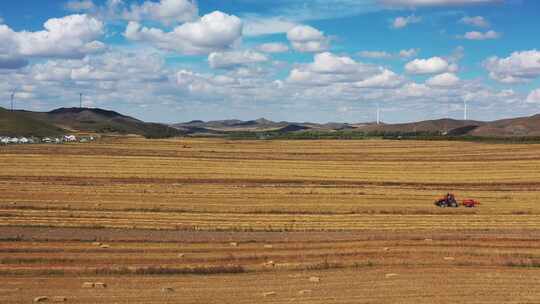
column 449, row 200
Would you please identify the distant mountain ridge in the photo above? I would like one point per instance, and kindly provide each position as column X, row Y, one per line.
column 521, row 126
column 66, row 120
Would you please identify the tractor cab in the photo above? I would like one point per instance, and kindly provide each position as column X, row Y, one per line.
column 449, row 200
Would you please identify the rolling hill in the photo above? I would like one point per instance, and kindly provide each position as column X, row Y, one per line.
column 442, row 126
column 19, row 124
column 522, row 126
column 64, row 120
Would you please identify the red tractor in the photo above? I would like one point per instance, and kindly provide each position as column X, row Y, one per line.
column 449, row 200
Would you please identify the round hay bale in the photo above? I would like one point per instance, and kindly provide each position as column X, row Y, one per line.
column 100, row 285
column 269, row 294
column 449, row 258
column 167, row 290
column 104, row 246
column 59, row 299
column 391, row 275
column 41, row 299
column 314, row 279
column 269, row 264
column 268, row 246
column 96, row 244
column 88, row 285
column 233, row 244
column 304, row 292
column 181, row 255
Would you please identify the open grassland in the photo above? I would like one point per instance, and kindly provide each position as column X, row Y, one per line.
column 220, row 221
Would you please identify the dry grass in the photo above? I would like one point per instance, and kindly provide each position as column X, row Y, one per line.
column 347, row 212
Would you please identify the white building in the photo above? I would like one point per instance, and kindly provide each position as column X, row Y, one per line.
column 70, row 138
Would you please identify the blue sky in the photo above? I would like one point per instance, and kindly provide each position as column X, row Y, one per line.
column 334, row 60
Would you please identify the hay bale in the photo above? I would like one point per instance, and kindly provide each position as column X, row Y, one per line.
column 269, row 264
column 449, row 258
column 41, row 299
column 233, row 244
column 314, row 279
column 268, row 246
column 167, row 290
column 390, row 275
column 96, row 244
column 181, row 255
column 269, row 294
column 104, row 246
column 100, row 285
column 60, row 299
column 305, row 292
column 428, row 240
column 386, row 249
column 88, row 285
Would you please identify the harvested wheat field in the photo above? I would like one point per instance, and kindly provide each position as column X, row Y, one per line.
column 129, row 220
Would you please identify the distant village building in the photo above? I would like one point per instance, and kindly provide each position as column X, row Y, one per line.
column 70, row 138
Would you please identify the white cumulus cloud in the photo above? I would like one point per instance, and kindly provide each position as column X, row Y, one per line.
column 386, row 79
column 222, row 60
column 475, row 35
column 408, row 53
column 308, row 39
column 401, row 22
column 165, row 11
column 478, row 21
column 273, row 47
column 375, row 54
column 403, row 54
column 434, row 65
column 71, row 37
column 445, row 80
column 213, row 32
column 257, row 25
column 517, row 68
column 534, row 97
column 80, row 5
column 328, row 68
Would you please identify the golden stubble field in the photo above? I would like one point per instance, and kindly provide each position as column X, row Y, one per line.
column 216, row 221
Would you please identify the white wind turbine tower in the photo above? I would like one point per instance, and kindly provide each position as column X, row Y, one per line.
column 378, row 114
column 12, row 97
column 465, row 109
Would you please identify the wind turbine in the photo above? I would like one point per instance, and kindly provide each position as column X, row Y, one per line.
column 12, row 98
column 465, row 110
column 378, row 114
